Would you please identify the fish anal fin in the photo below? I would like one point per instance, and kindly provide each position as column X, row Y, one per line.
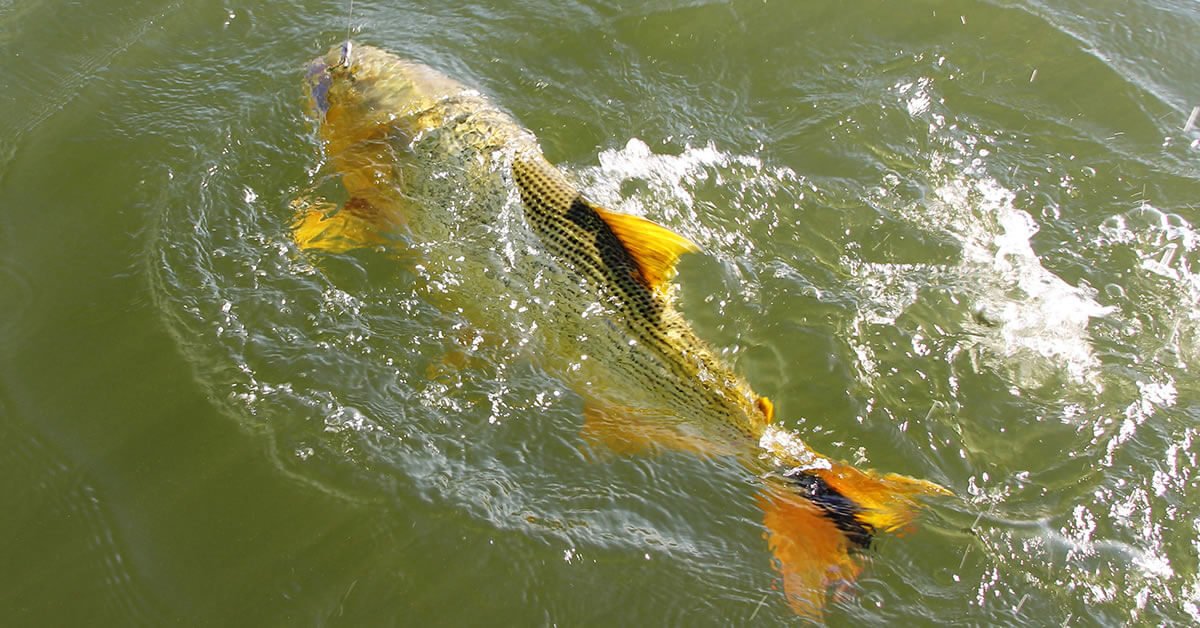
column 886, row 503
column 603, row 426
column 353, row 226
column 655, row 248
column 627, row 430
column 811, row 554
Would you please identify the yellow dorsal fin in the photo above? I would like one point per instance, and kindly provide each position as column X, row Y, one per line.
column 654, row 247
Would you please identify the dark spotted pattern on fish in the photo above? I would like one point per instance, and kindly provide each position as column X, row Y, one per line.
column 573, row 230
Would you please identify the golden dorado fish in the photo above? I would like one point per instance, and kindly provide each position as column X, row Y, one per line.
column 433, row 166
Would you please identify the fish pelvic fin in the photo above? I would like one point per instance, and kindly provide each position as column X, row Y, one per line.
column 654, row 248
column 819, row 521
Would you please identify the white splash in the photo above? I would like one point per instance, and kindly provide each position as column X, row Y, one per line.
column 786, row 447
column 1034, row 313
column 1152, row 396
column 679, row 173
column 1168, row 288
column 1027, row 317
column 917, row 94
column 674, row 188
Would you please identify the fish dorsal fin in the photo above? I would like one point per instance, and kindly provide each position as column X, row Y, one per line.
column 653, row 247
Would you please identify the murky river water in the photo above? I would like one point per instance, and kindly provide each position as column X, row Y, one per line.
column 950, row 239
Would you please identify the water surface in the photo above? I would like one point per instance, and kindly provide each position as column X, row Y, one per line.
column 949, row 239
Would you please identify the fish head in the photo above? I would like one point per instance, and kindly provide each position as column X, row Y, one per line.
column 357, row 91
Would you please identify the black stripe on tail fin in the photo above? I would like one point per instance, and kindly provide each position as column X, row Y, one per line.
column 820, row 520
column 836, row 507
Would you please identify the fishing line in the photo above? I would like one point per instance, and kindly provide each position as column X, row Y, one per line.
column 349, row 26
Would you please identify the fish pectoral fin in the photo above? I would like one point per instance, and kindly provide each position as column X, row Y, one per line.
column 811, row 554
column 352, row 226
column 655, row 248
column 627, row 430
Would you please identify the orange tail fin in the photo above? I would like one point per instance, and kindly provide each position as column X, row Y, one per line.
column 818, row 520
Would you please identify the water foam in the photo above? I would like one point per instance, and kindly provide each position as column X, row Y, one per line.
column 670, row 188
column 1031, row 312
column 1030, row 323
column 1114, row 542
column 1165, row 284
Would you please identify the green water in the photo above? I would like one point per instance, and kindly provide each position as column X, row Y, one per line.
column 949, row 239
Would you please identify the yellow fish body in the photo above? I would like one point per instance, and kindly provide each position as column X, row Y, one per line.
column 432, row 163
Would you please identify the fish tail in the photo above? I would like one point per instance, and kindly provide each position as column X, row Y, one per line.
column 820, row 520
